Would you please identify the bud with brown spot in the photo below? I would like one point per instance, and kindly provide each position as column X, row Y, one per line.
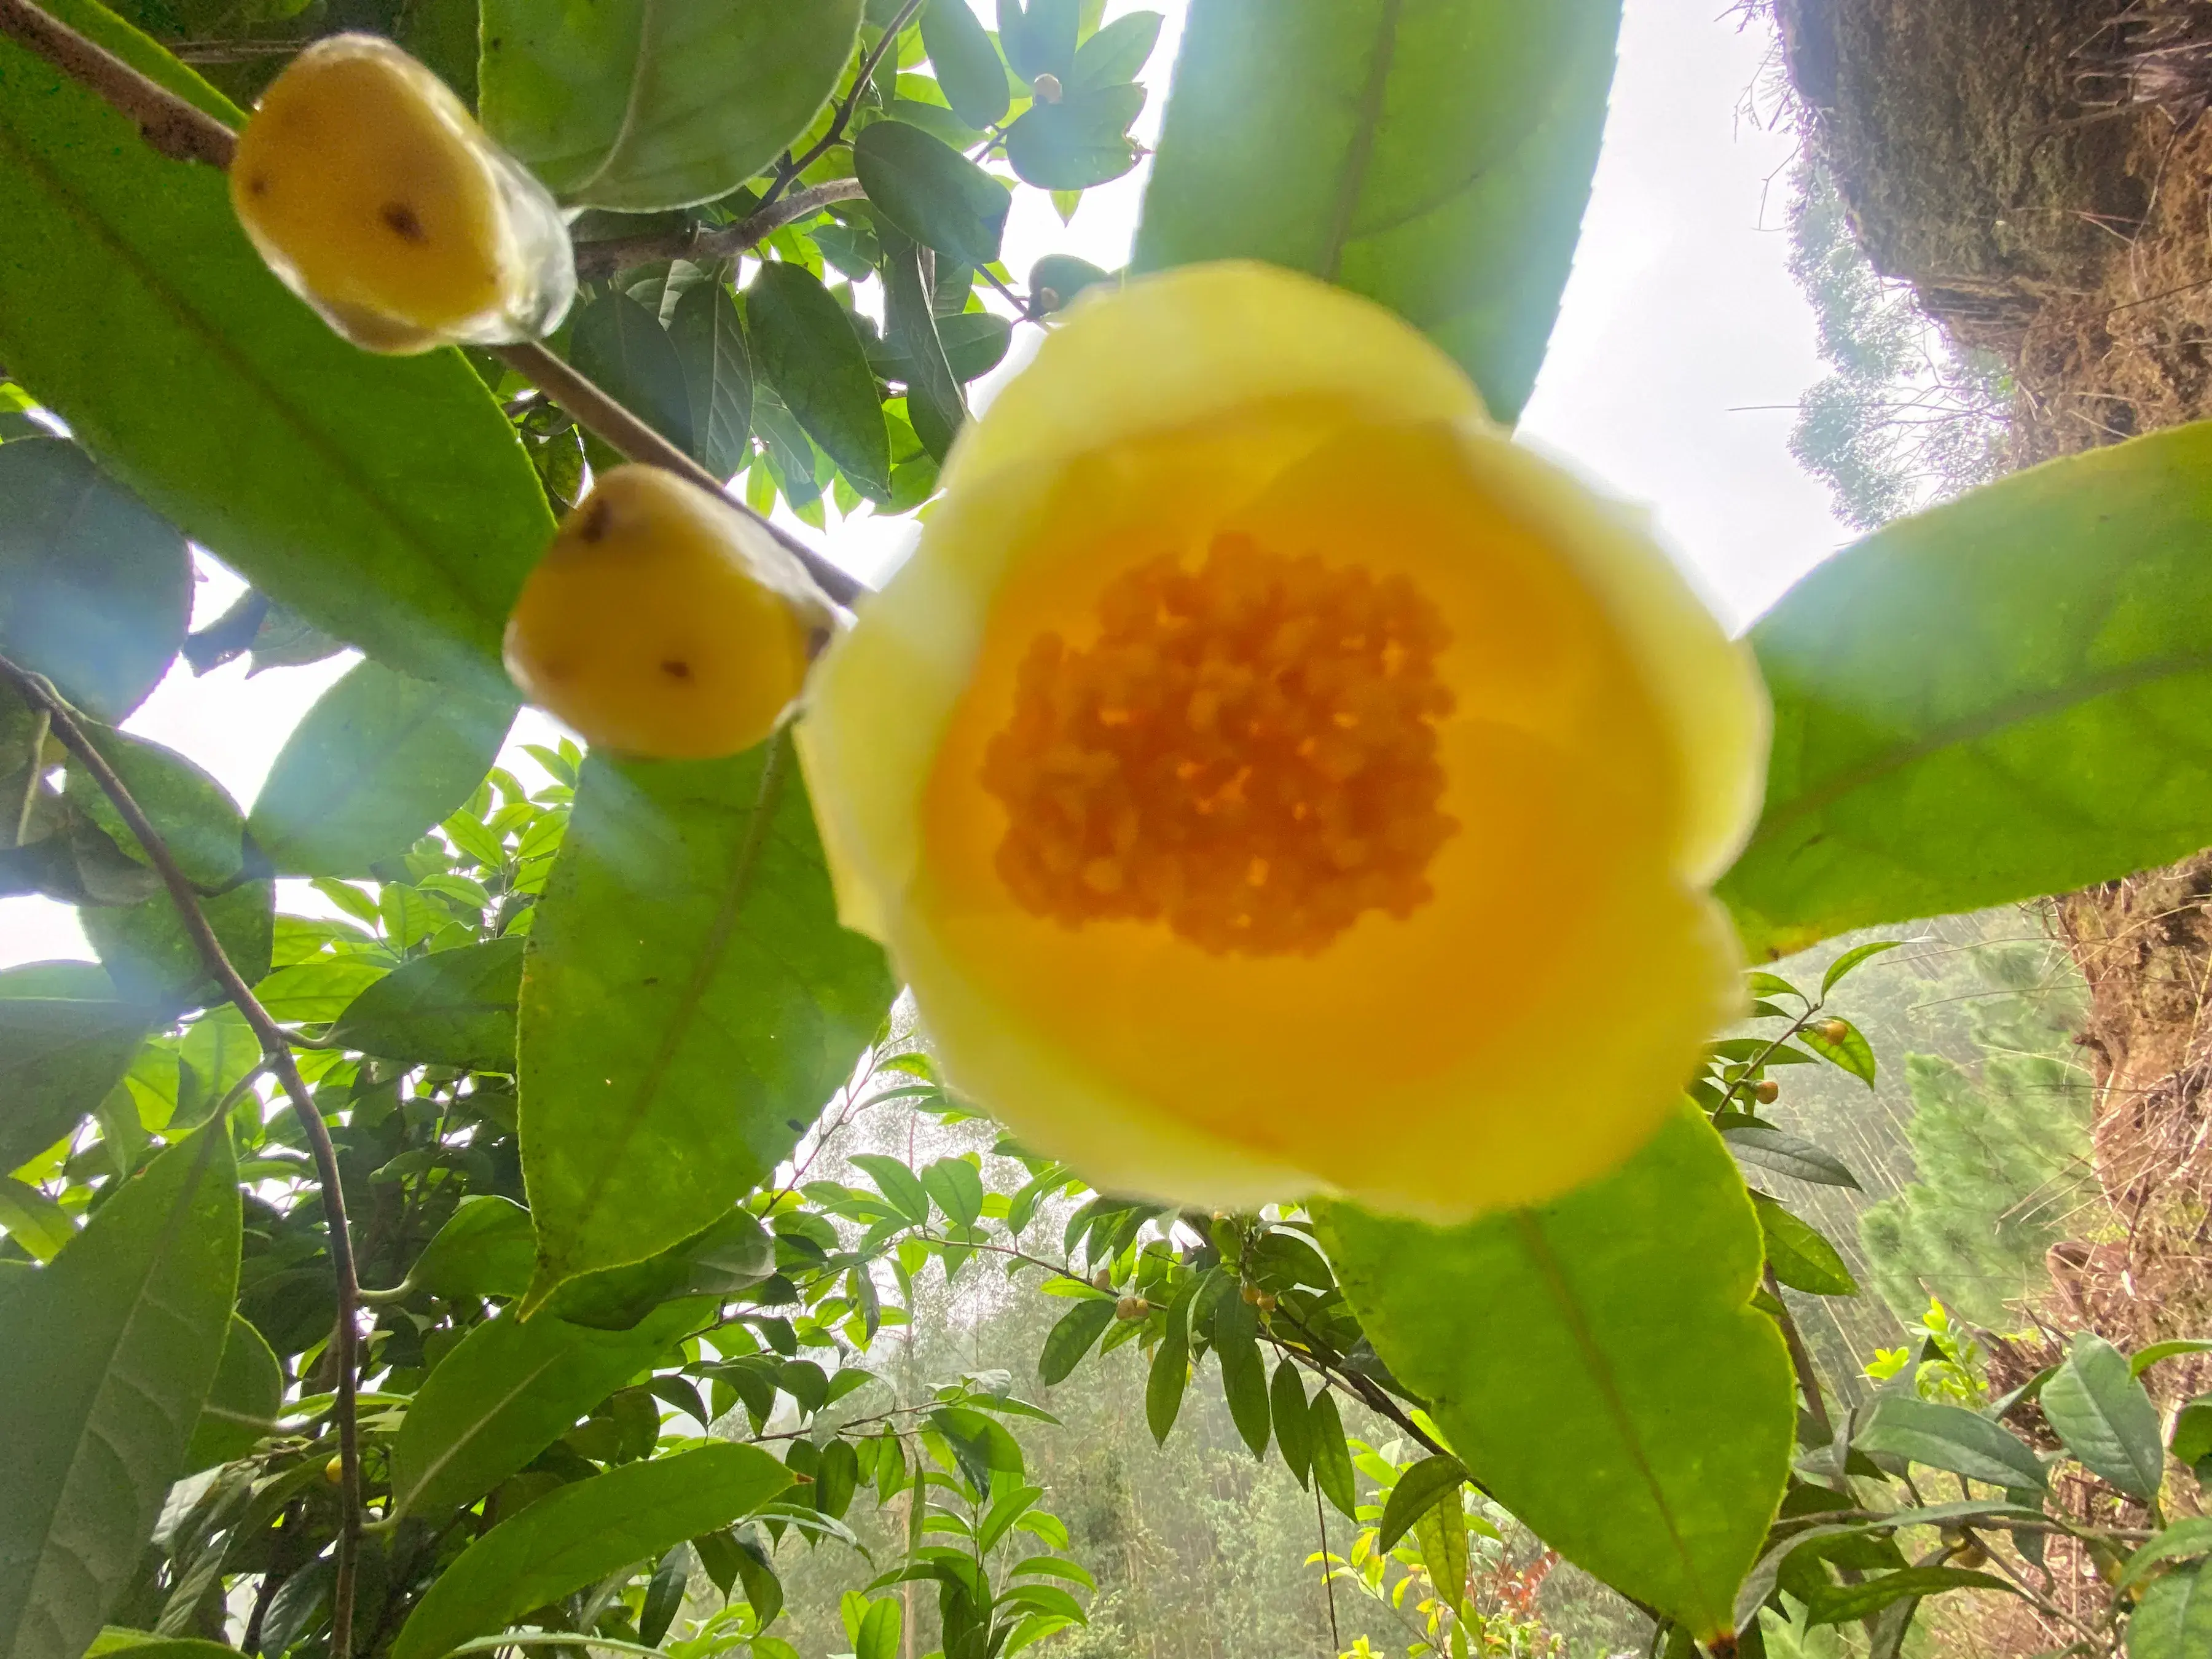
column 1132, row 1307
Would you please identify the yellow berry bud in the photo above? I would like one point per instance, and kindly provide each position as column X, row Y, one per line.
column 1102, row 1279
column 1132, row 1307
column 1047, row 88
column 334, row 1471
column 663, row 622
column 372, row 192
column 1834, row 1030
column 1250, row 1292
column 1767, row 1090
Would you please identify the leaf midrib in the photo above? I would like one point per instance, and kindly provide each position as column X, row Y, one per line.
column 1351, row 184
column 1988, row 722
column 1600, row 1372
column 333, row 456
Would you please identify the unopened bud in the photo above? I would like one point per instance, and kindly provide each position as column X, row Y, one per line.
column 1102, row 1279
column 1834, row 1030
column 1250, row 1292
column 1768, row 1090
column 1047, row 88
column 334, row 1471
column 1132, row 1307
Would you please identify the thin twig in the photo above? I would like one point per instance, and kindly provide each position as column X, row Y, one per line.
column 619, row 253
column 791, row 169
column 1801, row 1358
column 187, row 133
column 1327, row 1571
column 278, row 1053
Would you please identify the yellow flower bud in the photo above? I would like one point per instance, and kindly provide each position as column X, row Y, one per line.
column 1834, row 1030
column 663, row 622
column 1132, row 1307
column 1256, row 752
column 372, row 192
column 334, row 1471
column 1768, row 1090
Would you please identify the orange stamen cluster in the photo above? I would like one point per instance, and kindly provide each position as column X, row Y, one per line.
column 1248, row 751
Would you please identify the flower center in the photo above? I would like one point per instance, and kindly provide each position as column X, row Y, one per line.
column 1249, row 751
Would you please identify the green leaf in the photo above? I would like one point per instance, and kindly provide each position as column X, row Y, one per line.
column 1418, row 1490
column 664, row 1595
column 1243, row 1374
column 144, row 1644
column 193, row 813
column 105, row 1356
column 1432, row 155
column 687, row 948
column 384, row 500
column 1787, row 1154
column 1170, row 1372
column 958, row 1187
column 1441, row 1532
column 2004, row 696
column 1850, row 1052
column 317, row 992
column 381, row 760
column 95, row 591
column 580, row 1534
column 33, row 1220
column 1802, row 1258
column 2145, row 1357
column 242, row 1403
column 709, row 339
column 968, row 65
column 897, row 1183
column 1856, row 956
column 645, row 104
column 1039, row 38
column 2105, row 1418
column 1074, row 1336
column 2189, row 1537
column 1597, row 1366
column 2173, row 1620
column 932, row 191
column 1949, row 1438
column 486, row 1249
column 1287, row 1404
column 804, row 346
column 879, row 1632
column 1332, row 1457
column 1117, row 54
column 58, row 1057
column 1081, row 141
column 621, row 348
column 153, row 961
column 509, row 1390
column 451, row 1008
column 1843, row 1605
column 934, row 399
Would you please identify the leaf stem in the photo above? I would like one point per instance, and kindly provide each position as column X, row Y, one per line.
column 619, row 253
column 185, row 132
column 276, row 1050
column 1801, row 1357
column 792, row 168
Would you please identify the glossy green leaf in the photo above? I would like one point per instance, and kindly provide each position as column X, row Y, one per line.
column 2173, row 1620
column 968, row 69
column 880, row 1632
column 1332, row 1457
column 1597, row 1365
column 1074, row 1336
column 804, row 346
column 1851, row 960
column 1787, row 1154
column 144, row 1644
column 1418, row 1490
column 1850, row 1052
column 243, row 1401
column 105, row 1357
column 1243, row 1373
column 957, row 1190
column 33, row 1220
column 645, row 104
column 621, row 348
column 731, row 1254
column 449, row 1008
column 1286, row 1406
column 897, row 1183
column 1080, row 141
column 1169, row 1376
column 1802, row 1258
column 58, row 1056
column 932, row 191
column 384, row 500
column 718, row 377
column 510, row 1389
column 316, row 992
column 381, row 760
column 2144, row 1357
column 934, row 401
column 1432, row 155
column 578, row 1534
column 2189, row 1537
column 1945, row 1437
column 2007, row 695
column 95, row 590
column 688, row 1004
column 1117, row 54
column 1441, row 1532
column 153, row 961
column 1845, row 1603
column 485, row 1250
column 2106, row 1418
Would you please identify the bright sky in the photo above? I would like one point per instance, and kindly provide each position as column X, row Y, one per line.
column 1681, row 333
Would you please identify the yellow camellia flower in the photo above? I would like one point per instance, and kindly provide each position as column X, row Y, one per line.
column 372, row 192
column 1272, row 781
